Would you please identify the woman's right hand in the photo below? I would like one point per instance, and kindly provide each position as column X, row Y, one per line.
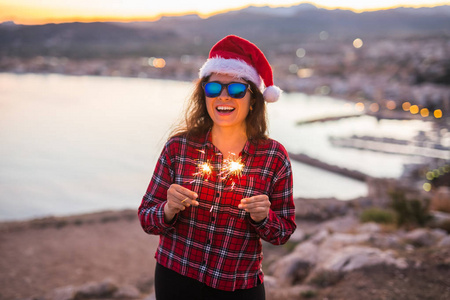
column 178, row 198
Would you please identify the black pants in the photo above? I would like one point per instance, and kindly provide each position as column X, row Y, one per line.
column 169, row 285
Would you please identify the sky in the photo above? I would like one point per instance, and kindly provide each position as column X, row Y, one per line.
column 46, row 11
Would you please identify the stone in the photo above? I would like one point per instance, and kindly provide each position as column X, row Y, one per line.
column 320, row 236
column 294, row 267
column 127, row 292
column 152, row 296
column 445, row 242
column 354, row 257
column 298, row 236
column 422, row 237
column 290, row 293
column 386, row 241
column 102, row 289
column 63, row 293
column 341, row 224
column 369, row 227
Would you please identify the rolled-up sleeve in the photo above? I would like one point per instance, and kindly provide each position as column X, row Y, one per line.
column 151, row 210
column 280, row 223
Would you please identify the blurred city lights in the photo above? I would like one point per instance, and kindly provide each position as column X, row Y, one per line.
column 300, row 52
column 391, row 105
column 157, row 62
column 358, row 43
column 325, row 90
column 293, row 68
column 430, row 175
column 323, row 35
column 374, row 107
column 305, row 73
column 414, row 109
column 438, row 113
column 406, row 106
column 359, row 106
column 424, row 112
column 427, row 186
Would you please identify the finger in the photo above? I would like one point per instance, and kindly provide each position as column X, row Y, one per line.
column 256, row 201
column 179, row 194
column 188, row 202
column 185, row 193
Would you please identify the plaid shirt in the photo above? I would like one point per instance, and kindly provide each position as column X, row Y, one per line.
column 216, row 242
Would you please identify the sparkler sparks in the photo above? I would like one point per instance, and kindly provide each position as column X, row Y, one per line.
column 232, row 168
column 204, row 170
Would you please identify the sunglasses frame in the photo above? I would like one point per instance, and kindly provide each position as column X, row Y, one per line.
column 226, row 85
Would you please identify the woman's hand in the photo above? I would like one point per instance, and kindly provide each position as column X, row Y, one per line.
column 178, row 198
column 258, row 207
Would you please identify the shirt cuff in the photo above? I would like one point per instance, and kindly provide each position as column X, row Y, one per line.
column 259, row 224
column 163, row 222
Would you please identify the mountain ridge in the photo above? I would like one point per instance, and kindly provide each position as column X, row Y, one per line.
column 192, row 35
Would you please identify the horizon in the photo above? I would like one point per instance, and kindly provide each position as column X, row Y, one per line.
column 25, row 12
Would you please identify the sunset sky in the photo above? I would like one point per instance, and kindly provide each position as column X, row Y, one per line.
column 45, row 11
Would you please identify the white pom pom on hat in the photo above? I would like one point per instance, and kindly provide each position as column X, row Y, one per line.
column 238, row 57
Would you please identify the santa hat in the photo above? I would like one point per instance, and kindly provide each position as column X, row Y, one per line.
column 238, row 57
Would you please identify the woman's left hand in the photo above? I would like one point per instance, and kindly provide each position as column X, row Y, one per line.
column 258, row 207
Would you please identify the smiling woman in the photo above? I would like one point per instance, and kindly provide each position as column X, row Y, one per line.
column 33, row 12
column 221, row 184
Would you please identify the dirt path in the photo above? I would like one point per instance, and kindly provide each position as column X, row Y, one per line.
column 39, row 256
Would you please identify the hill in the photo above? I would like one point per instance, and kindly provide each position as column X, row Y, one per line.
column 271, row 28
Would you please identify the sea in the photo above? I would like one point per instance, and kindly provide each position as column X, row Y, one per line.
column 81, row 144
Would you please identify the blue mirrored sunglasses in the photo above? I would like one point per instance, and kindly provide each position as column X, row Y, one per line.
column 235, row 90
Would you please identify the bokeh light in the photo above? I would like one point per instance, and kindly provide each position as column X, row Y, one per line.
column 438, row 113
column 391, row 105
column 359, row 106
column 323, row 35
column 305, row 73
column 358, row 43
column 300, row 52
column 424, row 112
column 374, row 107
column 406, row 106
column 414, row 109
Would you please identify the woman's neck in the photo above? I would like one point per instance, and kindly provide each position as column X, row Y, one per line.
column 229, row 140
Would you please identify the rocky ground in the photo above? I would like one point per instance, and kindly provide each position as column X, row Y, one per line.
column 331, row 256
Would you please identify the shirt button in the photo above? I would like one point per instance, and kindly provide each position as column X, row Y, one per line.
column 217, row 194
column 208, row 241
column 213, row 219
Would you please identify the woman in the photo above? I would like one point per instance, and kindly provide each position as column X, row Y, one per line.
column 220, row 184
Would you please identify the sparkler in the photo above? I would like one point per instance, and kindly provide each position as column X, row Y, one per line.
column 232, row 168
column 204, row 170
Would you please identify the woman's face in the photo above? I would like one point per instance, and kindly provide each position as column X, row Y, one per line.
column 224, row 110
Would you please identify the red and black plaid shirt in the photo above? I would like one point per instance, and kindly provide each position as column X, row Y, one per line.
column 216, row 242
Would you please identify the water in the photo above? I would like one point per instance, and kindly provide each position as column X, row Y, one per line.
column 81, row 144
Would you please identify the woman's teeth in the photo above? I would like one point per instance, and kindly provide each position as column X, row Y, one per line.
column 225, row 108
